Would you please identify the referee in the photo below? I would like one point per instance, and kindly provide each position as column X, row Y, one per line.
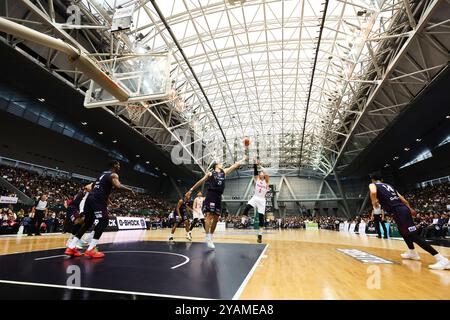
column 38, row 212
column 378, row 218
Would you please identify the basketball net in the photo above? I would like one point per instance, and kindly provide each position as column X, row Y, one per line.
column 135, row 111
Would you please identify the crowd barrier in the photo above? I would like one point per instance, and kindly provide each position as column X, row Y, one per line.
column 368, row 229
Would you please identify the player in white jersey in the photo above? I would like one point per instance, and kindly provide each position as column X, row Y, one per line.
column 258, row 201
column 197, row 212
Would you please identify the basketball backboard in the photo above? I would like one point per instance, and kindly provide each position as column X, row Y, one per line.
column 144, row 76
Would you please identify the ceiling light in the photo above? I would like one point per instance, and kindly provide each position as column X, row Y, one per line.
column 100, row 132
column 114, row 141
column 84, row 123
column 418, row 140
column 406, row 149
column 41, row 99
column 395, row 158
column 147, row 162
column 164, row 174
column 448, row 117
column 137, row 156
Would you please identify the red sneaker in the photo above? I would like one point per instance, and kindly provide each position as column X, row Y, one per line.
column 72, row 252
column 94, row 253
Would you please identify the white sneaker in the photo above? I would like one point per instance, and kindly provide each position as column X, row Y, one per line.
column 210, row 244
column 81, row 243
column 170, row 238
column 189, row 236
column 410, row 256
column 440, row 265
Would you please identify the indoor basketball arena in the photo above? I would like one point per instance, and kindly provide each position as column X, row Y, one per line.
column 245, row 150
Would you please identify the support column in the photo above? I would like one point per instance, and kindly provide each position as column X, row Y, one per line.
column 288, row 185
column 280, row 185
column 319, row 193
column 366, row 199
column 341, row 191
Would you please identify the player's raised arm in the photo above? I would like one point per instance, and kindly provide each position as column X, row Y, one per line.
column 234, row 166
column 266, row 175
column 116, row 183
column 197, row 184
column 255, row 171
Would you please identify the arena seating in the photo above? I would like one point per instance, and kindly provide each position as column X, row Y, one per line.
column 59, row 190
column 430, row 203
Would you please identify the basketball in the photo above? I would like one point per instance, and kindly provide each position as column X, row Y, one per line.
column 246, row 141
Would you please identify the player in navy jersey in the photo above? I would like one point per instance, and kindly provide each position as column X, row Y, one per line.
column 96, row 208
column 212, row 206
column 385, row 196
column 181, row 210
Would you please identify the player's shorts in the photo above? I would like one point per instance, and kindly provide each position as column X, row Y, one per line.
column 198, row 214
column 96, row 208
column 212, row 203
column 403, row 219
column 176, row 218
column 184, row 216
column 73, row 214
column 258, row 203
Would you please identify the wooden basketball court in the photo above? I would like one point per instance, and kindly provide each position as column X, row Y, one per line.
column 299, row 264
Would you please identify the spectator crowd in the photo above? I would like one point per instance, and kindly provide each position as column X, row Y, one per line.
column 432, row 205
column 287, row 222
column 59, row 190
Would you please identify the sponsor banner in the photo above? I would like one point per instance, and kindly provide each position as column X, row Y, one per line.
column 10, row 200
column 221, row 226
column 395, row 232
column 311, row 226
column 364, row 257
column 388, row 229
column 362, row 228
column 346, row 225
column 130, row 223
column 112, row 225
column 370, row 228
